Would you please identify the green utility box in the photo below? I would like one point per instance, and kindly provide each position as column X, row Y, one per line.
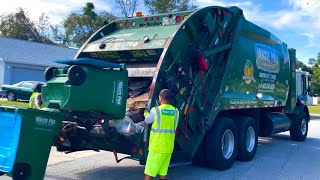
column 27, row 140
column 85, row 88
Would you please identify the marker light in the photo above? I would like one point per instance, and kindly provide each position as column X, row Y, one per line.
column 139, row 14
column 127, row 24
column 178, row 18
column 133, row 24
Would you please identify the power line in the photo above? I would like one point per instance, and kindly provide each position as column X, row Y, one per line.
column 313, row 4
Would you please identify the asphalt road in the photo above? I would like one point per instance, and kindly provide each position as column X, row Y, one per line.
column 277, row 158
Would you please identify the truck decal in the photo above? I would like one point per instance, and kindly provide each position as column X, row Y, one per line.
column 248, row 72
column 267, row 59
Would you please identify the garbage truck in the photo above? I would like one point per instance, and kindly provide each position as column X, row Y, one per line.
column 231, row 80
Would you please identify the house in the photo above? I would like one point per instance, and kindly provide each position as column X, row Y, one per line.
column 22, row 60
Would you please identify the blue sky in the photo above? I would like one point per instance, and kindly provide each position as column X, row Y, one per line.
column 296, row 22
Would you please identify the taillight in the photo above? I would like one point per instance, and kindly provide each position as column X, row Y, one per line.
column 178, row 18
column 134, row 150
column 145, row 19
column 127, row 24
column 157, row 18
column 151, row 18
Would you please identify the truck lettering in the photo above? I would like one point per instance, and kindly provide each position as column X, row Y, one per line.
column 44, row 121
column 119, row 93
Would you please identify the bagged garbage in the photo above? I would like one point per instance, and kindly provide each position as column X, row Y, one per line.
column 126, row 126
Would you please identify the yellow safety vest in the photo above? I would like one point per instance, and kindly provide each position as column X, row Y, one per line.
column 163, row 129
column 31, row 101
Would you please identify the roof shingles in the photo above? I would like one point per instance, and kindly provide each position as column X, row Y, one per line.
column 33, row 53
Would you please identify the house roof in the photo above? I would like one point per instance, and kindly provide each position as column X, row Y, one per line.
column 32, row 53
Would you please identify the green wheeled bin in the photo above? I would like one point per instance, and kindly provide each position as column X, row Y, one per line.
column 86, row 88
column 26, row 137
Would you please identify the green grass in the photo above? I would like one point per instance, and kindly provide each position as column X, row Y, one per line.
column 13, row 103
column 314, row 109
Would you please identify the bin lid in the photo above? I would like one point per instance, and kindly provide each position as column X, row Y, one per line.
column 10, row 125
column 89, row 62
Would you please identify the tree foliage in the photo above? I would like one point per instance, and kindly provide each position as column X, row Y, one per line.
column 19, row 25
column 303, row 67
column 78, row 27
column 165, row 6
column 127, row 7
column 316, row 77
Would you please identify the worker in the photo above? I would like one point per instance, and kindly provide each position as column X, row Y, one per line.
column 35, row 100
column 164, row 119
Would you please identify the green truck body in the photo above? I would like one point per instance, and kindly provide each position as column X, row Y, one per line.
column 231, row 80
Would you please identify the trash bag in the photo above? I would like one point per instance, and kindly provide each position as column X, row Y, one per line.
column 126, row 126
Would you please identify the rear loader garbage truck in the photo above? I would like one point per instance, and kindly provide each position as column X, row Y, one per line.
column 231, row 81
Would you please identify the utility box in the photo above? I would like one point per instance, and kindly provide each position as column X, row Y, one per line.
column 85, row 88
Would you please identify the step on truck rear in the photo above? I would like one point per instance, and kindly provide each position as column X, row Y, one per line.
column 231, row 81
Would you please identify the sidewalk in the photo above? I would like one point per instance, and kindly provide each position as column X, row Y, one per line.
column 314, row 116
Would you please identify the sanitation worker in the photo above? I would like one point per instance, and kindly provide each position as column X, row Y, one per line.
column 35, row 100
column 164, row 119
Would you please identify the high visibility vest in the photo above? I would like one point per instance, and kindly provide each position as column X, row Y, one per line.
column 163, row 129
column 32, row 104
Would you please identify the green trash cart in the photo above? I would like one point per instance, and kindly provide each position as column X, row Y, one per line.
column 29, row 135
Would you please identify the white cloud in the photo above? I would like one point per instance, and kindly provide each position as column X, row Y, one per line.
column 55, row 9
column 311, row 40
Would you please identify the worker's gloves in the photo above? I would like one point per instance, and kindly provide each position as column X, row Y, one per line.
column 146, row 113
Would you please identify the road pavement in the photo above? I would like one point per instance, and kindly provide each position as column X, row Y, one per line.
column 277, row 158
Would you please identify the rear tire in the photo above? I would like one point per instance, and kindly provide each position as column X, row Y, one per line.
column 221, row 144
column 248, row 138
column 299, row 128
column 11, row 96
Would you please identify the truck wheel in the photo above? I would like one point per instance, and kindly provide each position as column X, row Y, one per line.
column 299, row 129
column 76, row 75
column 248, row 138
column 221, row 144
column 2, row 173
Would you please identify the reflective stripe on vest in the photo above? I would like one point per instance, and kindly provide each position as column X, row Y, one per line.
column 169, row 131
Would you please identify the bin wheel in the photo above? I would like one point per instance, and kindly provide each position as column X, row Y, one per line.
column 21, row 171
column 48, row 73
column 76, row 75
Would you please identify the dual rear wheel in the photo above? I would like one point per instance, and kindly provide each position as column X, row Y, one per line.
column 227, row 141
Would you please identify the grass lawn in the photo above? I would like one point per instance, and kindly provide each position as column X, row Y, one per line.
column 314, row 109
column 14, row 103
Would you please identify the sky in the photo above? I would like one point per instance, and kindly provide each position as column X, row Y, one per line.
column 296, row 22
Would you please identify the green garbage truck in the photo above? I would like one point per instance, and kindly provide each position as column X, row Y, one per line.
column 231, row 80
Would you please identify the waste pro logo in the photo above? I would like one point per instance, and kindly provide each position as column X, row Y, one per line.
column 119, row 93
column 43, row 121
column 248, row 72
